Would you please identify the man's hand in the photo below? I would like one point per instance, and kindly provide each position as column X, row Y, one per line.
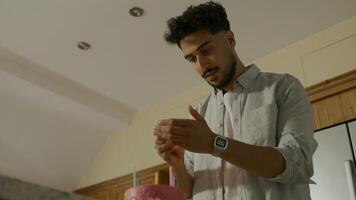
column 173, row 155
column 191, row 134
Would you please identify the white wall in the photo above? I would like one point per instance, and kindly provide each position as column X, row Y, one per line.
column 318, row 57
column 45, row 138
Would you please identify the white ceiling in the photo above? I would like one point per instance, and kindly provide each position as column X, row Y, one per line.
column 66, row 101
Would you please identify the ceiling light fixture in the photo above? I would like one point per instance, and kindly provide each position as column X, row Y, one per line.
column 83, row 45
column 136, row 11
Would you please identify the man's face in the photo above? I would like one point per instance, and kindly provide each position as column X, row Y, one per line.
column 211, row 56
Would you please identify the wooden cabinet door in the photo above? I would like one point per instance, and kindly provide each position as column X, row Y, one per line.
column 106, row 194
column 162, row 177
column 121, row 189
column 119, row 194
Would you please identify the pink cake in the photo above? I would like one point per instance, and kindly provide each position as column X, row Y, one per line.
column 154, row 192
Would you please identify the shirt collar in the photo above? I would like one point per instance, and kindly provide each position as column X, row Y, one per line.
column 246, row 78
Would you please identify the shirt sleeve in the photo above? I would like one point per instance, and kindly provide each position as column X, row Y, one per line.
column 295, row 133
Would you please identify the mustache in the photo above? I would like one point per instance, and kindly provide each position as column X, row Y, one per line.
column 209, row 70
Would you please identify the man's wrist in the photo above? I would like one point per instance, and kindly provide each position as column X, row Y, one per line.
column 179, row 170
column 211, row 143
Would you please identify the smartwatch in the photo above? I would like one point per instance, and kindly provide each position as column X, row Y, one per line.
column 220, row 145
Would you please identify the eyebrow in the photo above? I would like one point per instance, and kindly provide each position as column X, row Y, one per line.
column 200, row 46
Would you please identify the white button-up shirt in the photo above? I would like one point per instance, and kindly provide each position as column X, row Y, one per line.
column 264, row 109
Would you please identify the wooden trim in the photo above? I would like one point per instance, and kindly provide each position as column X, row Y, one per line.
column 333, row 100
column 124, row 180
column 332, row 86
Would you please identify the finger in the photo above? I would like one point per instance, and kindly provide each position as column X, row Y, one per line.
column 179, row 150
column 160, row 141
column 164, row 138
column 169, row 138
column 180, row 144
column 172, row 141
column 164, row 148
column 176, row 122
column 156, row 132
column 166, row 156
column 173, row 150
column 174, row 130
column 195, row 115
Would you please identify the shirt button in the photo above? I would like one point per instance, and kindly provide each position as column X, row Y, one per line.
column 221, row 125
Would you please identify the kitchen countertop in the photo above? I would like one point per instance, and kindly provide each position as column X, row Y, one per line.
column 14, row 189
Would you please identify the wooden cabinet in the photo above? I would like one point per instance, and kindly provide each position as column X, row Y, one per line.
column 104, row 191
column 104, row 194
column 115, row 189
column 334, row 100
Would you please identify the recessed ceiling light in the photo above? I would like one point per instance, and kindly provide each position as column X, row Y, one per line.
column 136, row 11
column 83, row 45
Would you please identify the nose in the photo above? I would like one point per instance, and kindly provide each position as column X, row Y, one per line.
column 203, row 63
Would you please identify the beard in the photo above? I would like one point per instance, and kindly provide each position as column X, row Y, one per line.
column 227, row 76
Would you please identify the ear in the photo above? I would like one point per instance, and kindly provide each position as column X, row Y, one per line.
column 231, row 39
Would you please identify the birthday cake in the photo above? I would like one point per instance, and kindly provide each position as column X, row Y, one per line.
column 154, row 192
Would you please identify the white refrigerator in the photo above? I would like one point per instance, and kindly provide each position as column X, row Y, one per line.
column 334, row 163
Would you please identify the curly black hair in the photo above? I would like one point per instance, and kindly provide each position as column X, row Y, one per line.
column 210, row 16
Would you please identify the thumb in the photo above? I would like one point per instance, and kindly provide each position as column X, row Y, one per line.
column 194, row 114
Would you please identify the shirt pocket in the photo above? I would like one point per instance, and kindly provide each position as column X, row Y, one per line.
column 259, row 125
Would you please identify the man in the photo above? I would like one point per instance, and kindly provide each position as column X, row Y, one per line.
column 252, row 138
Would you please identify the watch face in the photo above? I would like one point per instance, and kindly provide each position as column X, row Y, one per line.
column 220, row 142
